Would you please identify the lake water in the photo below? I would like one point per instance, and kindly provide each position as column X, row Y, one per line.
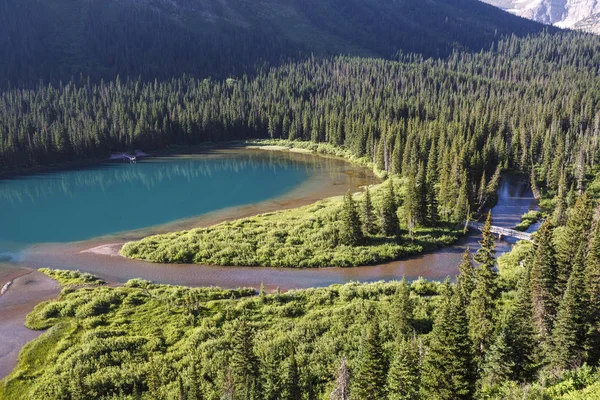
column 82, row 204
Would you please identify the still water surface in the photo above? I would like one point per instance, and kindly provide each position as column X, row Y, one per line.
column 76, row 205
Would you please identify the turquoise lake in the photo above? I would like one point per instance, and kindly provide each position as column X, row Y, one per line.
column 82, row 204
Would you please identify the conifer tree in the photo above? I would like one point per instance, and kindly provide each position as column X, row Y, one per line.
column 342, row 383
column 466, row 277
column 485, row 255
column 370, row 373
column 573, row 243
column 431, row 180
column 390, row 225
column 421, row 195
column 482, row 303
column 568, row 335
column 351, row 233
column 404, row 374
column 244, row 363
column 402, row 311
column 291, row 382
column 543, row 281
column 411, row 206
column 448, row 369
column 368, row 218
column 592, row 297
column 511, row 354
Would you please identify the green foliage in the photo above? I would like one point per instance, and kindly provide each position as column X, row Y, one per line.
column 311, row 236
column 146, row 336
column 448, row 369
column 528, row 219
column 404, row 374
column 371, row 367
column 68, row 278
column 351, row 233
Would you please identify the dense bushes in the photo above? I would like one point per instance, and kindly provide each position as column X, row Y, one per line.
column 306, row 237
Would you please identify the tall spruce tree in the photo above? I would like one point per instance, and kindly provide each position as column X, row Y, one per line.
column 404, row 374
column 291, row 380
column 482, row 303
column 370, row 373
column 244, row 364
column 369, row 221
column 543, row 281
column 448, row 370
column 351, row 233
column 568, row 335
column 402, row 311
column 592, row 297
column 412, row 206
column 512, row 353
column 431, row 180
column 572, row 244
column 390, row 225
column 466, row 277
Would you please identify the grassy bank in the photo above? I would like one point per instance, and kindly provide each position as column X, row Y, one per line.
column 528, row 219
column 305, row 237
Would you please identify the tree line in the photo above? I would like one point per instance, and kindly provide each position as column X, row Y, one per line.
column 529, row 104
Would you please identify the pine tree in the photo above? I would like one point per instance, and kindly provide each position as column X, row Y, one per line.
column 482, row 302
column 421, row 195
column 194, row 390
column 592, row 297
column 432, row 179
column 568, row 335
column 543, row 281
column 487, row 251
column 342, row 383
column 466, row 277
column 390, row 225
column 404, row 374
column 351, row 233
column 291, row 382
column 411, row 206
column 572, row 245
column 370, row 376
column 448, row 369
column 402, row 311
column 244, row 363
column 511, row 354
column 368, row 214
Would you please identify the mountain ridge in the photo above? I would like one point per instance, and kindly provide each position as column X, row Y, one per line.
column 58, row 39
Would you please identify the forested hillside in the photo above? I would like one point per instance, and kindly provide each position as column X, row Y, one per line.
column 59, row 39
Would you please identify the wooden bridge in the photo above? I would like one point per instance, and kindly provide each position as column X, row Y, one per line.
column 502, row 231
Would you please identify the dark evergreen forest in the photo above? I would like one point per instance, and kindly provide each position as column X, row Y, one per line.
column 526, row 103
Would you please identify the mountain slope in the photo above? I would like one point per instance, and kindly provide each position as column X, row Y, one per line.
column 574, row 14
column 56, row 39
